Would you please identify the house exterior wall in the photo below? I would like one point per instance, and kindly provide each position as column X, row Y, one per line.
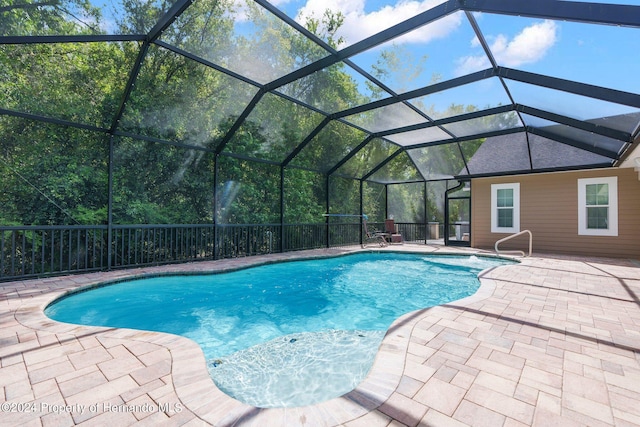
column 549, row 209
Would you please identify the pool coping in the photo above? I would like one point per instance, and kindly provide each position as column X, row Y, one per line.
column 555, row 343
column 192, row 382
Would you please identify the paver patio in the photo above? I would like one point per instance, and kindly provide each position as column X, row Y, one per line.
column 554, row 340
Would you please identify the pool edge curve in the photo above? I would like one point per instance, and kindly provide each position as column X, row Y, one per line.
column 191, row 380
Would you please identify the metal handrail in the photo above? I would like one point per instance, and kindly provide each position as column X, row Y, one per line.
column 511, row 237
column 28, row 251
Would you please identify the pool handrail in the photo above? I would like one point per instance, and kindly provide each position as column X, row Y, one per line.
column 511, row 237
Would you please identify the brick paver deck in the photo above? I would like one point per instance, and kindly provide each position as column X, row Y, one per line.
column 553, row 341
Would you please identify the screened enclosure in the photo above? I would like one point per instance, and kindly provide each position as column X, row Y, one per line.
column 145, row 132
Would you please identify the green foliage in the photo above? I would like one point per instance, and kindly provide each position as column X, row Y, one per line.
column 345, row 197
column 248, row 192
column 50, row 174
column 75, row 82
column 326, row 27
column 56, row 174
column 407, row 202
column 139, row 16
column 374, row 201
column 53, row 17
column 273, row 129
column 398, row 68
column 161, row 184
column 304, row 196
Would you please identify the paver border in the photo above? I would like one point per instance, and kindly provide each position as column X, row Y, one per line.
column 191, row 378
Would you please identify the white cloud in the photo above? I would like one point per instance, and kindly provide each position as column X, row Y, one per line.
column 240, row 12
column 359, row 24
column 470, row 64
column 527, row 47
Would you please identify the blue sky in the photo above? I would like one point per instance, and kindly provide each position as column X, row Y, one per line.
column 595, row 54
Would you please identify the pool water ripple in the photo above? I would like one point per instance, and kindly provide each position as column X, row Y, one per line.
column 297, row 369
column 229, row 314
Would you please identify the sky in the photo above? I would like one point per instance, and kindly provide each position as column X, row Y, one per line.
column 594, row 54
column 448, row 48
column 586, row 53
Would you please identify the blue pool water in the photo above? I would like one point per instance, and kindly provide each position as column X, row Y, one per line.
column 285, row 334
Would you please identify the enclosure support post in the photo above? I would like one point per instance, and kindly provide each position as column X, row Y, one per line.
column 110, row 205
column 326, row 188
column 447, row 220
column 386, row 201
column 361, row 211
column 215, row 204
column 426, row 214
column 282, row 242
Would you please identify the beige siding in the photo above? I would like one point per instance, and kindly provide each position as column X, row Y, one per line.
column 549, row 208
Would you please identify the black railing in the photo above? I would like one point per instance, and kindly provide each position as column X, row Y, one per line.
column 37, row 251
column 304, row 236
column 160, row 244
column 341, row 235
column 247, row 240
column 411, row 232
column 420, row 233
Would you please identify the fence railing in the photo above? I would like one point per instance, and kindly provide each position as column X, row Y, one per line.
column 160, row 244
column 247, row 240
column 37, row 251
column 304, row 236
column 412, row 232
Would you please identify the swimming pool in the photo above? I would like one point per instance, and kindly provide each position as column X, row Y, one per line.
column 285, row 334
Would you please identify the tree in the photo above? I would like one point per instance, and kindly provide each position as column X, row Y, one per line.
column 179, row 114
column 398, row 68
column 49, row 17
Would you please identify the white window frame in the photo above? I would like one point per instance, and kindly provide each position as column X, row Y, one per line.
column 612, row 182
column 515, row 186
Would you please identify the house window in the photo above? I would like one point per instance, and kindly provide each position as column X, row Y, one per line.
column 505, row 208
column 598, row 206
